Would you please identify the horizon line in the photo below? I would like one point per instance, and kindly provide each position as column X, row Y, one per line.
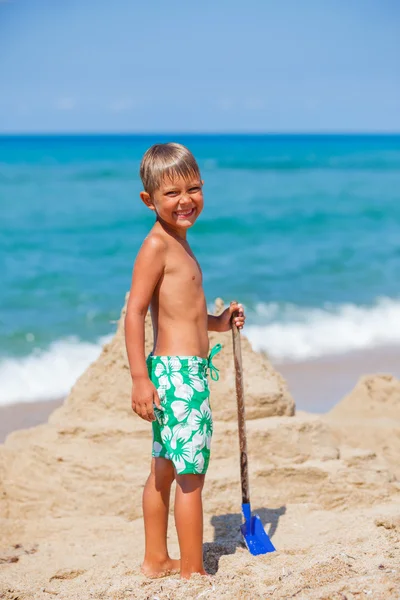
column 193, row 133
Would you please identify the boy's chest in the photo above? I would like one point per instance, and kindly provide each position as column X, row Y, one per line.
column 184, row 266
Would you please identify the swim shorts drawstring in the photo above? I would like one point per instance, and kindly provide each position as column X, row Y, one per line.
column 214, row 372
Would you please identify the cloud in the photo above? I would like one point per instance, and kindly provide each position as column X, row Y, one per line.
column 66, row 103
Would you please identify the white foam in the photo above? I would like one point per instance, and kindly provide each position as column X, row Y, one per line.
column 46, row 374
column 294, row 333
column 285, row 332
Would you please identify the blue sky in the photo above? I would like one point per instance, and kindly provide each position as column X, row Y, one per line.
column 207, row 66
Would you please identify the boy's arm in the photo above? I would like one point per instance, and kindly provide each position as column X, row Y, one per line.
column 213, row 323
column 149, row 267
column 223, row 321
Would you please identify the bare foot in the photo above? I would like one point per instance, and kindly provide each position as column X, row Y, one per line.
column 170, row 566
column 190, row 573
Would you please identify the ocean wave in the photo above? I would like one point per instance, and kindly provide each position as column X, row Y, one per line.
column 297, row 333
column 46, row 374
column 286, row 332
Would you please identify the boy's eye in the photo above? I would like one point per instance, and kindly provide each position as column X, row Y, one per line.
column 194, row 189
column 171, row 193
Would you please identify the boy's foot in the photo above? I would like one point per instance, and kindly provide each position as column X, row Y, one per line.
column 170, row 566
column 188, row 575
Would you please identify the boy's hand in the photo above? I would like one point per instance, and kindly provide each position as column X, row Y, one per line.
column 226, row 317
column 143, row 395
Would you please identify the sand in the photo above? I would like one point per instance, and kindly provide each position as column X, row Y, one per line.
column 326, row 488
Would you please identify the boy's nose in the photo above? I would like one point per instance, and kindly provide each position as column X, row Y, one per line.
column 185, row 200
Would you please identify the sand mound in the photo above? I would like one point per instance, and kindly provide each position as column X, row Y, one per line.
column 369, row 418
column 374, row 396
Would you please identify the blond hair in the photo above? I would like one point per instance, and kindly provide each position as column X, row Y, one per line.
column 166, row 161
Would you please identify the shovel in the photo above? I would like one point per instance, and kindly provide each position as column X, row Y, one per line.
column 257, row 541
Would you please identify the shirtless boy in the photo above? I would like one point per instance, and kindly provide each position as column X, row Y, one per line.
column 170, row 388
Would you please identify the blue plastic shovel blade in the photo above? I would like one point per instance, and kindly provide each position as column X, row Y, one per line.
column 257, row 541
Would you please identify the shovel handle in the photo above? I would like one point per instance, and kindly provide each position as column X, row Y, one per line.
column 237, row 356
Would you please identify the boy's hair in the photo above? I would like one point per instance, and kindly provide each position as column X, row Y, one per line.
column 166, row 160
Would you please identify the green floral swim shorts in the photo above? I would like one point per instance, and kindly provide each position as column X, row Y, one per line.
column 183, row 428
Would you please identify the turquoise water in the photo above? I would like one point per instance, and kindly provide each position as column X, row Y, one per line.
column 304, row 230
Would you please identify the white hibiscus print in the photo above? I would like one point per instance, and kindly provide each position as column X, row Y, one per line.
column 186, row 420
column 201, row 422
column 176, row 441
column 167, row 366
column 167, row 372
column 166, row 434
column 199, row 462
column 182, row 408
column 157, row 448
column 195, row 381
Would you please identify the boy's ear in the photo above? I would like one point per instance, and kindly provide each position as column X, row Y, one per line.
column 146, row 198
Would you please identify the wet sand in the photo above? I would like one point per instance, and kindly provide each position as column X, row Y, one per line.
column 317, row 385
column 25, row 415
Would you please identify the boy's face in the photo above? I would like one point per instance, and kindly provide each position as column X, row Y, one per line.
column 178, row 202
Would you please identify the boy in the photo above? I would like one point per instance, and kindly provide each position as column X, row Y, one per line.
column 170, row 389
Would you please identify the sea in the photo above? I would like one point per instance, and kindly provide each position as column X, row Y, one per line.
column 304, row 230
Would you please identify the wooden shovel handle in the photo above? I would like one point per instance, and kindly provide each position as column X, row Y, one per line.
column 237, row 355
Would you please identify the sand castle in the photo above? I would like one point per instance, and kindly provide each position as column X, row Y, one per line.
column 325, row 487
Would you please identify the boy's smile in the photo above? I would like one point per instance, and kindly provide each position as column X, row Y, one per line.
column 177, row 202
column 185, row 214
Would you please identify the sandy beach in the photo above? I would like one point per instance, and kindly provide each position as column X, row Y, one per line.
column 325, row 486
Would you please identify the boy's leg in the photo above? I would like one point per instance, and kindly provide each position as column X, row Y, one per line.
column 156, row 495
column 189, row 523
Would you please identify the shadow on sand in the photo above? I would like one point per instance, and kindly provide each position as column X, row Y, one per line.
column 227, row 535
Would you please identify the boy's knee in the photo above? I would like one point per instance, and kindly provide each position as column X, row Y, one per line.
column 190, row 482
column 163, row 472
